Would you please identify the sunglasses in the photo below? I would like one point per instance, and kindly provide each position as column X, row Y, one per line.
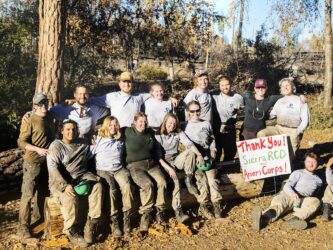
column 260, row 87
column 195, row 111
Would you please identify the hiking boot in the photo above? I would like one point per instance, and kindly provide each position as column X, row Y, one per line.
column 295, row 223
column 160, row 217
column 116, row 232
column 77, row 240
column 127, row 222
column 145, row 221
column 191, row 187
column 260, row 220
column 90, row 230
column 180, row 216
column 217, row 210
column 24, row 232
column 326, row 212
column 205, row 212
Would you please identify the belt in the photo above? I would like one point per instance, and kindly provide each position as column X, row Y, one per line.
column 286, row 126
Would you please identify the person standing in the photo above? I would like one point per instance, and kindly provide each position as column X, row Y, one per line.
column 36, row 134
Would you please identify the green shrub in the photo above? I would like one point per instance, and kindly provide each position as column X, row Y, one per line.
column 151, row 72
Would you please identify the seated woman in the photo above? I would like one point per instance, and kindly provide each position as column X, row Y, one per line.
column 142, row 159
column 169, row 138
column 292, row 115
column 201, row 134
column 109, row 151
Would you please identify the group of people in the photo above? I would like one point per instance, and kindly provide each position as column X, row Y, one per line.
column 139, row 141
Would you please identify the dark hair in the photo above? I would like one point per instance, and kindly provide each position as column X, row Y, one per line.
column 224, row 77
column 81, row 86
column 312, row 155
column 62, row 125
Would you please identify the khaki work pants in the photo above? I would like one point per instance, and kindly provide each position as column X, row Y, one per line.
column 122, row 177
column 141, row 173
column 207, row 184
column 328, row 195
column 282, row 204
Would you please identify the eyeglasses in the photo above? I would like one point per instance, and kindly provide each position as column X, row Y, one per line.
column 195, row 111
column 43, row 104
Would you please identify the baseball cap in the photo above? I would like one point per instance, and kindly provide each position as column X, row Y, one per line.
column 260, row 83
column 126, row 76
column 39, row 98
column 201, row 72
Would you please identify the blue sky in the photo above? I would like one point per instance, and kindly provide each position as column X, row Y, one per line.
column 259, row 12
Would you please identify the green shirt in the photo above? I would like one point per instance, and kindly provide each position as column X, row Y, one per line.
column 139, row 146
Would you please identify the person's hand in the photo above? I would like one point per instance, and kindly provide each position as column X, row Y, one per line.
column 172, row 173
column 329, row 163
column 303, row 99
column 174, row 102
column 200, row 160
column 70, row 190
column 294, row 196
column 26, row 117
column 42, row 151
column 93, row 140
column 69, row 101
column 213, row 154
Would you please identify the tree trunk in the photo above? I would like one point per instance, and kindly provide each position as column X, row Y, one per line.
column 328, row 55
column 50, row 74
column 240, row 25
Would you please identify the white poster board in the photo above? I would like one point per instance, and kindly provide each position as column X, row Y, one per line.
column 264, row 157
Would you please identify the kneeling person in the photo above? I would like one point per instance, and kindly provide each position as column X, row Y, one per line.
column 297, row 195
column 67, row 166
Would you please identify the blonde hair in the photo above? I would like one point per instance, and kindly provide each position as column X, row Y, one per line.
column 151, row 87
column 104, row 130
column 195, row 81
column 163, row 129
column 288, row 80
column 137, row 116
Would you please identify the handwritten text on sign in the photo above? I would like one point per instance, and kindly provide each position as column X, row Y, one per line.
column 264, row 157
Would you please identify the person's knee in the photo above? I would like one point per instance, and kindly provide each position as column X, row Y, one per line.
column 161, row 183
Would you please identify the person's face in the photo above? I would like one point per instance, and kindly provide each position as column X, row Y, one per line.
column 171, row 124
column 157, row 92
column 194, row 112
column 81, row 96
column 113, row 127
column 41, row 108
column 225, row 87
column 141, row 123
column 286, row 88
column 69, row 132
column 202, row 82
column 260, row 91
column 125, row 86
column 310, row 164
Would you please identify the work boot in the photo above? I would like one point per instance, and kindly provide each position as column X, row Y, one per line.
column 260, row 220
column 180, row 216
column 295, row 223
column 326, row 212
column 24, row 232
column 127, row 222
column 160, row 217
column 116, row 232
column 90, row 230
column 77, row 240
column 205, row 212
column 192, row 189
column 145, row 221
column 217, row 210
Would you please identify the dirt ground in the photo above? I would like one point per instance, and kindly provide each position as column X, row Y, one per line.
column 232, row 232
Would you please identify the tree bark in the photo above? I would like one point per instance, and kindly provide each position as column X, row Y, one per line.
column 240, row 25
column 328, row 55
column 50, row 74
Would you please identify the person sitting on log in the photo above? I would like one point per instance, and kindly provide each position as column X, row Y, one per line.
column 69, row 178
column 109, row 152
column 297, row 195
column 36, row 135
column 169, row 138
column 201, row 134
column 328, row 194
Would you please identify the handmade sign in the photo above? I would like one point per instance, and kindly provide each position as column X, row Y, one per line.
column 264, row 157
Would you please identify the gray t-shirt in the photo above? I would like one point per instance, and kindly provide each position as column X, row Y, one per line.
column 108, row 153
column 201, row 134
column 205, row 101
column 302, row 182
column 329, row 176
column 66, row 162
column 291, row 112
column 156, row 110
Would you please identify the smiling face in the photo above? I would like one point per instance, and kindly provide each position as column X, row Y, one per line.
column 113, row 127
column 194, row 112
column 310, row 164
column 286, row 88
column 202, row 82
column 157, row 92
column 225, row 86
column 260, row 92
column 141, row 123
column 41, row 108
column 171, row 125
column 69, row 132
column 81, row 95
column 125, row 86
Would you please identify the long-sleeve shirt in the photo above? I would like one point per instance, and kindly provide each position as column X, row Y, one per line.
column 85, row 116
column 37, row 131
column 205, row 101
column 66, row 163
column 329, row 176
column 108, row 153
column 201, row 134
column 303, row 183
column 156, row 110
column 123, row 106
column 291, row 112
